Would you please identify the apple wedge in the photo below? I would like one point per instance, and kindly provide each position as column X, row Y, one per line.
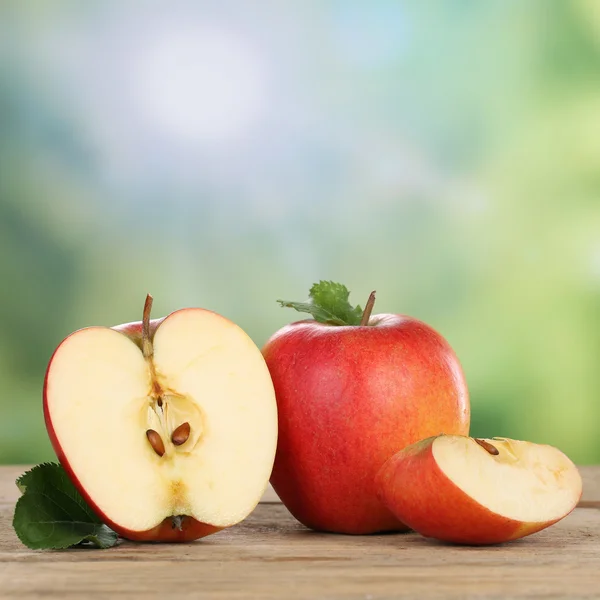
column 168, row 428
column 478, row 491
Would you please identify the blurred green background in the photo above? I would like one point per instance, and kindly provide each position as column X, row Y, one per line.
column 224, row 154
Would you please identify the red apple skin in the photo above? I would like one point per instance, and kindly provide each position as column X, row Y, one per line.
column 348, row 399
column 163, row 532
column 413, row 487
column 134, row 330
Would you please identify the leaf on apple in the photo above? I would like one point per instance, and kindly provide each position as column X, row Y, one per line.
column 52, row 514
column 328, row 303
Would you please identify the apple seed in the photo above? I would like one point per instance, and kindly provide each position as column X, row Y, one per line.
column 181, row 434
column 487, row 446
column 155, row 441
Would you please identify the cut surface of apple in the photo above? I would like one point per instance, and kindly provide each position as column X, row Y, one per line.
column 475, row 491
column 524, row 481
column 180, row 425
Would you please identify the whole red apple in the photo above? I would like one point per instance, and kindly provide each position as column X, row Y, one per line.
column 352, row 390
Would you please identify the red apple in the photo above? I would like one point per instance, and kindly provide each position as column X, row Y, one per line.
column 472, row 491
column 349, row 397
column 168, row 427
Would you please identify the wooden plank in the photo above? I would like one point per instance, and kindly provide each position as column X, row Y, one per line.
column 591, row 486
column 270, row 495
column 270, row 555
column 8, row 490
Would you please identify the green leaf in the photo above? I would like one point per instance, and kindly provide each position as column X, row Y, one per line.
column 41, row 476
column 328, row 303
column 52, row 476
column 53, row 514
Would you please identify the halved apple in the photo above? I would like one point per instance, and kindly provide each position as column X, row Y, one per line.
column 168, row 428
column 478, row 491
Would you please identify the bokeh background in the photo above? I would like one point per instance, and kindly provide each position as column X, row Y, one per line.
column 227, row 153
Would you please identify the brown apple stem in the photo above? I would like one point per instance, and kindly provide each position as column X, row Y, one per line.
column 368, row 310
column 487, row 446
column 147, row 349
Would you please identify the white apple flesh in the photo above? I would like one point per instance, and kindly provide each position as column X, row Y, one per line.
column 168, row 428
column 472, row 491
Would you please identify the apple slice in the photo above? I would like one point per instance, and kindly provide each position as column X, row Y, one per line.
column 472, row 491
column 168, row 428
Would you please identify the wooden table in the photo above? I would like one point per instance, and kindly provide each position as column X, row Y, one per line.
column 271, row 555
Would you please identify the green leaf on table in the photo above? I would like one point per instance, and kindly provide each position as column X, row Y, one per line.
column 328, row 303
column 43, row 475
column 52, row 514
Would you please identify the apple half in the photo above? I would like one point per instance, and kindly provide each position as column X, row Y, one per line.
column 168, row 428
column 478, row 491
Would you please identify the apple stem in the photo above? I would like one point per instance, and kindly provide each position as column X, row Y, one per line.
column 368, row 310
column 147, row 349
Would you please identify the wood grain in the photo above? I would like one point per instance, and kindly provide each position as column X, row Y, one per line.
column 270, row 556
column 591, row 485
